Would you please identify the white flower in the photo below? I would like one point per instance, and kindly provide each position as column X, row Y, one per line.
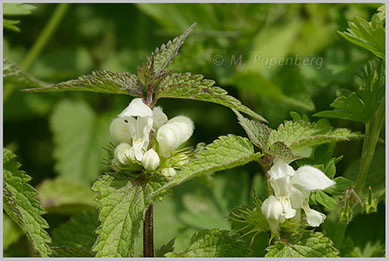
column 173, row 134
column 122, row 153
column 136, row 121
column 292, row 189
column 122, row 129
column 168, row 172
column 150, row 160
column 159, row 118
column 272, row 210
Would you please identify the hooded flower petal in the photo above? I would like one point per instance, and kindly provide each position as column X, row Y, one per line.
column 159, row 118
column 150, row 160
column 272, row 208
column 173, row 134
column 314, row 218
column 311, row 178
column 137, row 108
column 280, row 169
column 122, row 129
column 122, row 153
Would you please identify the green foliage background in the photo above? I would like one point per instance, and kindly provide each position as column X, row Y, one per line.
column 60, row 135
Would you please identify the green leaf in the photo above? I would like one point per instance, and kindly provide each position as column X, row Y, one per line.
column 311, row 244
column 224, row 153
column 214, row 243
column 305, row 134
column 122, row 204
column 62, row 196
column 79, row 135
column 280, row 150
column 21, row 206
column 11, row 230
column 368, row 35
column 14, row 74
column 360, row 105
column 256, row 131
column 17, row 9
column 70, row 252
column 78, row 232
column 319, row 197
column 164, row 249
column 162, row 57
column 11, row 25
column 103, row 81
column 339, row 187
column 194, row 87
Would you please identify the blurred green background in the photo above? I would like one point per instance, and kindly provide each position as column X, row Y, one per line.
column 61, row 135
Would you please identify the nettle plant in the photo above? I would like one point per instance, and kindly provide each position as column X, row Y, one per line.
column 148, row 157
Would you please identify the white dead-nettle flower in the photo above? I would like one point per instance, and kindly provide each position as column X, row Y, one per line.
column 291, row 191
column 134, row 123
column 173, row 134
column 159, row 118
column 122, row 153
column 272, row 210
column 168, row 172
column 122, row 129
column 150, row 160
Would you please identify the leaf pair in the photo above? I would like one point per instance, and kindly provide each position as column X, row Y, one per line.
column 153, row 82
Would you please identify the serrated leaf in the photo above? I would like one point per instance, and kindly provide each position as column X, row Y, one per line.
column 214, row 243
column 21, row 206
column 305, row 134
column 280, row 150
column 78, row 232
column 103, row 81
column 256, row 131
column 122, row 204
column 194, row 87
column 70, row 252
column 79, row 135
column 368, row 35
column 17, row 9
column 65, row 196
column 14, row 74
column 319, row 197
column 162, row 57
column 224, row 153
column 361, row 105
column 164, row 249
column 311, row 244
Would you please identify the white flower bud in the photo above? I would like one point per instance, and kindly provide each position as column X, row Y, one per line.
column 159, row 118
column 173, row 134
column 168, row 172
column 272, row 208
column 122, row 129
column 150, row 160
column 122, row 153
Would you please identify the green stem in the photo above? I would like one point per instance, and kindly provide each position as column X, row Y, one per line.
column 45, row 35
column 40, row 43
column 372, row 131
column 371, row 142
column 148, row 233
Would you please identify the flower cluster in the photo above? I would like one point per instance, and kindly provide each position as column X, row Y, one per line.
column 146, row 137
column 291, row 194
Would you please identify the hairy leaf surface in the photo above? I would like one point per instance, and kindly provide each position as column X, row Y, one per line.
column 214, row 243
column 311, row 244
column 194, row 87
column 224, row 153
column 21, row 205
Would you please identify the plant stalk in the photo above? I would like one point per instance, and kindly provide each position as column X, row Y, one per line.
column 372, row 131
column 148, row 233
